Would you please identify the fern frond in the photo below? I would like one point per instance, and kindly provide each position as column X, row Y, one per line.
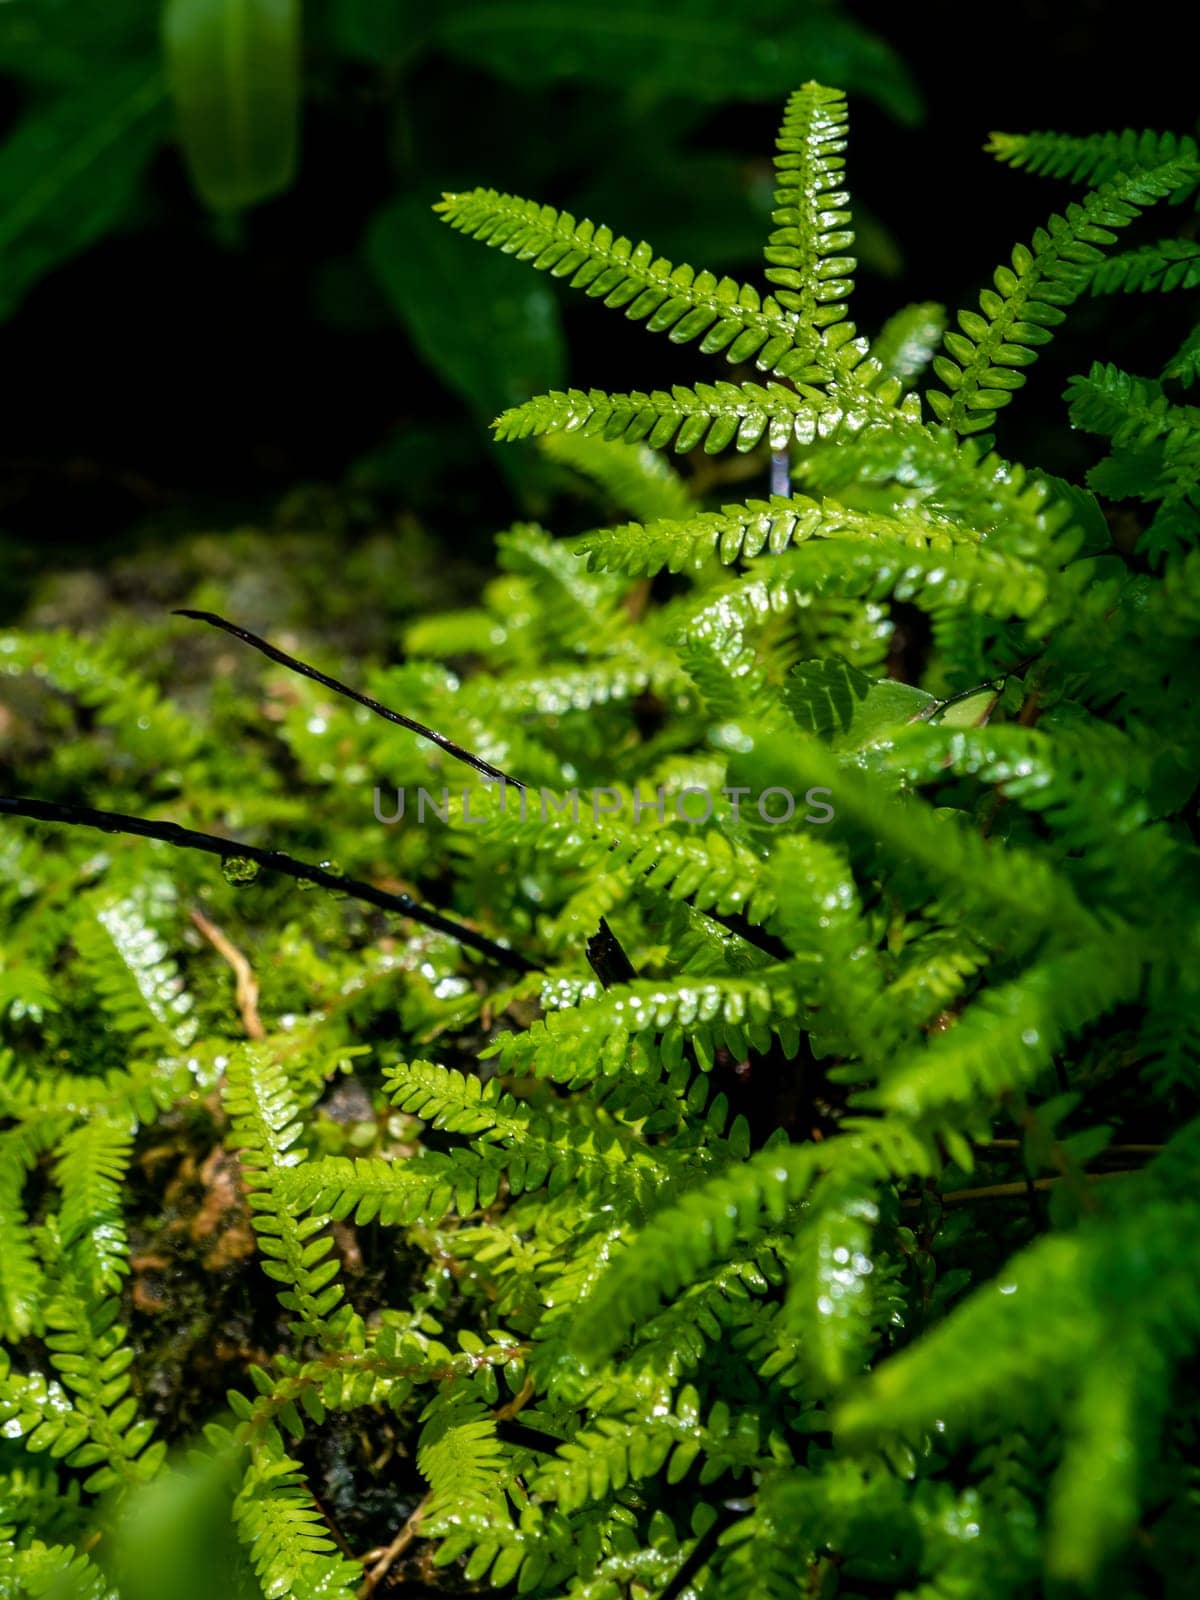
column 92, row 1163
column 712, row 415
column 613, row 1033
column 265, row 1114
column 459, row 1454
column 1012, row 1032
column 395, row 1192
column 830, row 1303
column 766, row 1555
column 40, row 1501
column 811, row 215
column 544, row 1149
column 615, row 1451
column 612, row 681
column 1184, row 365
column 1128, row 410
column 1009, row 1319
column 579, row 605
column 743, row 532
column 819, row 916
column 1150, row 269
column 1016, row 894
column 982, row 367
column 633, row 477
column 676, row 300
column 57, row 1572
column 683, row 1239
column 1100, row 824
column 90, row 1350
column 1094, row 1496
column 701, row 865
column 138, row 1095
column 129, row 964
column 1156, row 450
column 21, row 1276
column 1169, row 1038
column 1094, row 159
column 153, row 730
column 285, row 1534
column 1121, row 1289
column 909, row 340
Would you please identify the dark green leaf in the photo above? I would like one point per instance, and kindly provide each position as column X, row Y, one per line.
column 705, row 49
column 491, row 330
column 70, row 171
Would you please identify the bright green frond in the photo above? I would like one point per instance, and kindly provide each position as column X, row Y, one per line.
column 634, row 477
column 712, row 415
column 677, row 300
column 266, row 1118
column 1151, row 269
column 983, row 365
column 1094, row 159
column 285, row 1535
column 805, row 253
column 742, row 532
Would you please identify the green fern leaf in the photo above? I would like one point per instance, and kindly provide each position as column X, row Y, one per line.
column 804, row 253
column 982, row 367
column 676, row 300
column 1094, row 159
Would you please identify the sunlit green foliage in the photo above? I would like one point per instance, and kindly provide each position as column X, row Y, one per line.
column 848, row 1245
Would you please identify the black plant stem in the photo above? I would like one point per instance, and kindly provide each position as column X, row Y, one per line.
column 271, row 860
column 607, row 957
column 604, row 952
column 305, row 671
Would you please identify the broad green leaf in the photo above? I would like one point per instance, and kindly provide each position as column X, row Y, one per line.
column 841, row 705
column 969, row 712
column 234, row 71
column 704, row 49
column 70, row 170
column 886, row 707
column 487, row 326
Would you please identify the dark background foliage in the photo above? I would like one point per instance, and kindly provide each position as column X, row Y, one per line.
column 188, row 371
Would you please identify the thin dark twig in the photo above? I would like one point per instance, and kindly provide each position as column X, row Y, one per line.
column 604, row 951
column 272, row 860
column 380, row 710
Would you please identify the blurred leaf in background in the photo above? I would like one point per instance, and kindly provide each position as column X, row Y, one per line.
column 234, row 71
column 494, row 336
column 707, row 50
column 648, row 102
column 72, row 169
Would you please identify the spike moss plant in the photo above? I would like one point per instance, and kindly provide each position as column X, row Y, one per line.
column 835, row 1232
